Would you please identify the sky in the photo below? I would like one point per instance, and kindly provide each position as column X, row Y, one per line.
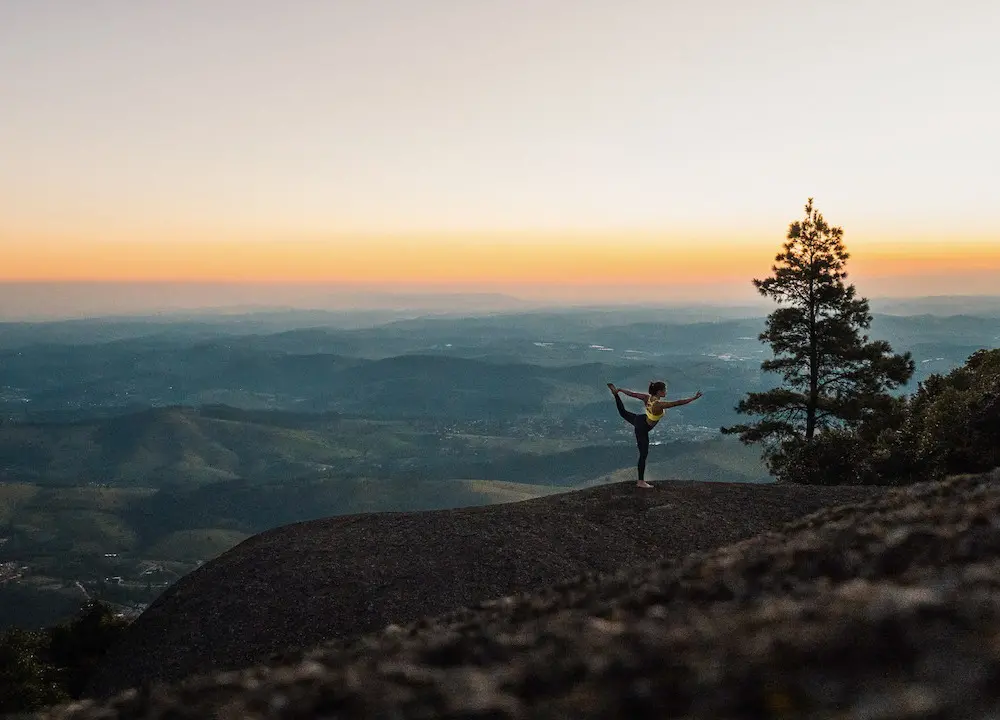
column 562, row 149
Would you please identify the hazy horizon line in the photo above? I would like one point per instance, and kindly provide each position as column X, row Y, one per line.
column 36, row 302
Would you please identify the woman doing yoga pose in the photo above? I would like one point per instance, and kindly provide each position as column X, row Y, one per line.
column 655, row 407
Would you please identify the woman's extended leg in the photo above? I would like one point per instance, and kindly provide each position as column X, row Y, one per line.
column 642, row 441
column 626, row 415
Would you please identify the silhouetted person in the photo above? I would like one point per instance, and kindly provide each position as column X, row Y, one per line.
column 643, row 424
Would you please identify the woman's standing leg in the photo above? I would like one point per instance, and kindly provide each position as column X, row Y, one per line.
column 642, row 441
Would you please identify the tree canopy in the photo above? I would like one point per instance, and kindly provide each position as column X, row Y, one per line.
column 47, row 667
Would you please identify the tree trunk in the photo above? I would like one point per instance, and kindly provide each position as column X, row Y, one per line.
column 813, row 361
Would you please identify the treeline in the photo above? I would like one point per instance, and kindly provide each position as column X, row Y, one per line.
column 951, row 425
column 47, row 667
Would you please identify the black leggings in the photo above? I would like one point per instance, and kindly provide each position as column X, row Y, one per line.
column 642, row 428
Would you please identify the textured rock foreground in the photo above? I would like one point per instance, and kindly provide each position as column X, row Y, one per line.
column 301, row 585
column 885, row 609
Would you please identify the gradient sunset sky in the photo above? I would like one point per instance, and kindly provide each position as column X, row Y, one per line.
column 559, row 149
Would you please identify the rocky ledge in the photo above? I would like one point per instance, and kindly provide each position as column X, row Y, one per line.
column 888, row 608
column 305, row 584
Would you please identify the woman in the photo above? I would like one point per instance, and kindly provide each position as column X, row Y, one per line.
column 655, row 407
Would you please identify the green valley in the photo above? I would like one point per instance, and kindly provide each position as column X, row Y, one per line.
column 133, row 450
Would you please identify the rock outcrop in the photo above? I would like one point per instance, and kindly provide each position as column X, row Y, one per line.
column 308, row 583
column 887, row 608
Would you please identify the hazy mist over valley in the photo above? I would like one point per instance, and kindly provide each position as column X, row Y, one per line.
column 132, row 449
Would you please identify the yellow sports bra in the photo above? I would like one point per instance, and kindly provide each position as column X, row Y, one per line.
column 650, row 402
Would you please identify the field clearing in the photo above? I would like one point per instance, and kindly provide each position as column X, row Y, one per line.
column 565, row 397
column 12, row 495
column 309, row 445
column 100, row 499
column 74, row 530
column 201, row 544
column 499, row 491
column 532, row 446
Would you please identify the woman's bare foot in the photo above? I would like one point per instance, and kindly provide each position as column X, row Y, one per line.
column 614, row 390
column 643, row 484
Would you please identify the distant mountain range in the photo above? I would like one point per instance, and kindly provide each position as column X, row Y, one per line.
column 941, row 305
column 335, row 305
column 503, row 365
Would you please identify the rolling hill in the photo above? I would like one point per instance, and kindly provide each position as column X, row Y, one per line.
column 171, row 445
column 183, row 446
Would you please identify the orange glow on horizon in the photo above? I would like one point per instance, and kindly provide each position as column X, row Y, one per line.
column 410, row 260
column 566, row 261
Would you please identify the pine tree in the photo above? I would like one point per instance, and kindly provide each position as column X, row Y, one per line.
column 833, row 375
